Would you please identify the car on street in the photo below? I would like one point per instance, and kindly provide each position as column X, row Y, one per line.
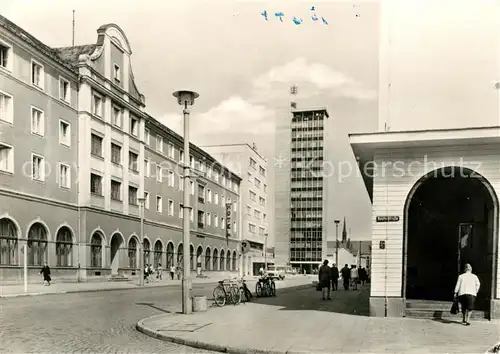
column 276, row 273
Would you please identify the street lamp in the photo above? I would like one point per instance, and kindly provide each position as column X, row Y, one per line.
column 186, row 98
column 265, row 252
column 337, row 222
column 141, row 242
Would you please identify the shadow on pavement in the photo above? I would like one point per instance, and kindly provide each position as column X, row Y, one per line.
column 351, row 302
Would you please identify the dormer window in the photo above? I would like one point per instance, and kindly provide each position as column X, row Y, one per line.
column 117, row 73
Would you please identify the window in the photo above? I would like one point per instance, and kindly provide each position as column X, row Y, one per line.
column 64, row 90
column 249, row 177
column 257, row 183
column 6, row 108
column 181, row 156
column 262, row 171
column 37, row 245
column 159, row 143
column 216, row 176
column 6, row 158
column 64, row 176
column 191, row 161
column 209, row 195
column 208, row 219
column 132, row 195
column 181, row 212
column 134, row 126
column 265, row 188
column 5, row 56
column 181, row 183
column 147, row 168
column 256, row 214
column 235, row 206
column 146, row 200
column 171, row 179
column 116, row 188
column 38, row 168
column 249, row 210
column 133, row 161
column 262, row 201
column 96, row 251
column 116, row 72
column 96, row 145
column 234, row 227
column 201, row 219
column 64, row 133
column 201, row 193
column 262, row 231
column 191, row 215
column 251, row 228
column 37, row 121
column 159, row 204
column 222, row 223
column 216, row 198
column 97, row 105
column 253, row 164
column 253, row 196
column 192, row 187
column 171, row 150
column 8, row 242
column 209, row 172
column 223, row 180
column 216, row 221
column 170, row 207
column 159, row 176
column 264, row 216
column 147, row 137
column 37, row 74
column 95, row 184
column 223, row 201
column 117, row 116
column 116, row 154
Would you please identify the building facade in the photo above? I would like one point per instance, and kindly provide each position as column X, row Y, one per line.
column 246, row 161
column 73, row 174
column 301, row 190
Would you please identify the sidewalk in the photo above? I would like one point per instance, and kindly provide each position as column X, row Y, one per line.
column 9, row 291
column 300, row 322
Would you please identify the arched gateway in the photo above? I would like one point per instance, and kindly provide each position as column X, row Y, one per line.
column 450, row 218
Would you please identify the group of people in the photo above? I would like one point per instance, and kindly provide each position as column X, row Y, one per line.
column 351, row 276
column 149, row 271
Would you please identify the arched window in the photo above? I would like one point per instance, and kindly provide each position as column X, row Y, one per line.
column 170, row 254
column 234, row 260
column 199, row 257
column 222, row 262
column 132, row 253
column 180, row 258
column 191, row 257
column 228, row 260
column 8, row 242
column 215, row 261
column 37, row 245
column 158, row 253
column 96, row 251
column 207, row 259
column 147, row 251
column 64, row 247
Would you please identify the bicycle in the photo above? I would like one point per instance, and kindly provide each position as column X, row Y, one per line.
column 245, row 292
column 265, row 287
column 227, row 291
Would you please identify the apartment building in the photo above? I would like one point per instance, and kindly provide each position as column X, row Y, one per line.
column 246, row 161
column 301, row 189
column 71, row 176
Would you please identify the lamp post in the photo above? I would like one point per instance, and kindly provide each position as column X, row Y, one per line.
column 141, row 242
column 186, row 98
column 337, row 222
column 265, row 252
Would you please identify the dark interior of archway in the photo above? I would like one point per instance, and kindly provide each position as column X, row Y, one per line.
column 437, row 208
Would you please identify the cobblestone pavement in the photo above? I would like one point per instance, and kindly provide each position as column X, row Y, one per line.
column 101, row 322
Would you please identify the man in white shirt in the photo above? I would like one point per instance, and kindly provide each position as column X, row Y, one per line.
column 466, row 291
column 354, row 277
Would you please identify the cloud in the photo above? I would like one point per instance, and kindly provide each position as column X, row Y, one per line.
column 312, row 79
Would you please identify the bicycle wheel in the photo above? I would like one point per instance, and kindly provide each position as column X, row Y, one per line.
column 258, row 290
column 219, row 296
column 267, row 289
column 236, row 295
column 273, row 289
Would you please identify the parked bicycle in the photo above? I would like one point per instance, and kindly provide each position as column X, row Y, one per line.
column 246, row 294
column 265, row 287
column 228, row 291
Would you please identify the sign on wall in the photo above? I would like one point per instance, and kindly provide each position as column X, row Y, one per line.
column 245, row 246
column 388, row 218
column 228, row 221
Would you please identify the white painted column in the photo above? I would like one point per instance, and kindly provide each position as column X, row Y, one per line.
column 126, row 149
column 142, row 172
column 81, row 169
column 106, row 149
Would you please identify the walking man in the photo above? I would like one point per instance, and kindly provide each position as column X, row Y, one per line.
column 324, row 279
column 346, row 276
column 172, row 271
column 335, row 277
column 354, row 277
column 466, row 291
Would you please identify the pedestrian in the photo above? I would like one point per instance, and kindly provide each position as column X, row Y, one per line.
column 172, row 271
column 158, row 272
column 179, row 271
column 324, row 280
column 466, row 291
column 45, row 271
column 362, row 275
column 146, row 273
column 354, row 277
column 346, row 275
column 334, row 277
column 261, row 271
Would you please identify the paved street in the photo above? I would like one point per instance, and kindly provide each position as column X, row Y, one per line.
column 102, row 322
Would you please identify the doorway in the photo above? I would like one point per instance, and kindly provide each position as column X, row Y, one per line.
column 450, row 221
column 116, row 242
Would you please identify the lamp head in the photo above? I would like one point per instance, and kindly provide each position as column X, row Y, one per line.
column 185, row 97
column 337, row 221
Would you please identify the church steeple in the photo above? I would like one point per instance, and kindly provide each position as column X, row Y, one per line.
column 344, row 233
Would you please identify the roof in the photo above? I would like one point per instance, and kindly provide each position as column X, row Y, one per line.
column 71, row 54
column 30, row 39
column 311, row 109
column 241, row 144
column 354, row 246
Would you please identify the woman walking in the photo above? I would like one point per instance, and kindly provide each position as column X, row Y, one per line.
column 45, row 271
column 466, row 291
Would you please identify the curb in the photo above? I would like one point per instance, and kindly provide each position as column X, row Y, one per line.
column 215, row 347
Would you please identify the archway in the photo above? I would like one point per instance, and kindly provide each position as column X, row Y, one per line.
column 116, row 243
column 170, row 255
column 215, row 262
column 199, row 256
column 191, row 257
column 208, row 262
column 450, row 219
column 180, row 257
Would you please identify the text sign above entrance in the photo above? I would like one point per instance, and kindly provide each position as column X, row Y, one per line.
column 387, row 218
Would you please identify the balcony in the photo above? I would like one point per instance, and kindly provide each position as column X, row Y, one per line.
column 201, row 225
column 201, row 200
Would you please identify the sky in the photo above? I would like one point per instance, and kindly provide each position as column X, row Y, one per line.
column 443, row 60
